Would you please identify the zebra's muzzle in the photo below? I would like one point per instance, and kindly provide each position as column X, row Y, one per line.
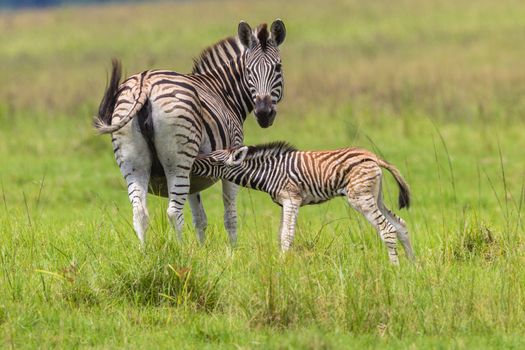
column 264, row 111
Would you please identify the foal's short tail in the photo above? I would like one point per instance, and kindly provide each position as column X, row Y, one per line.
column 404, row 191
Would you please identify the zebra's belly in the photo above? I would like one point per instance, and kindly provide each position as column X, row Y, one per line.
column 310, row 198
column 158, row 186
column 198, row 183
column 311, row 201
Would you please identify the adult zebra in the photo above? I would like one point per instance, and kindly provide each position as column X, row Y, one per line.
column 160, row 120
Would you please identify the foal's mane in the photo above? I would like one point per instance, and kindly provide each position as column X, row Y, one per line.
column 271, row 149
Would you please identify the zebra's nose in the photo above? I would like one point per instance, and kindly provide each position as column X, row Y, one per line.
column 263, row 107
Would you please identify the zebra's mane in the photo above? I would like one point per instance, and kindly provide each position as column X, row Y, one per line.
column 225, row 49
column 270, row 149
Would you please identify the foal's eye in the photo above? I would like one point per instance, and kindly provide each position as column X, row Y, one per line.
column 278, row 67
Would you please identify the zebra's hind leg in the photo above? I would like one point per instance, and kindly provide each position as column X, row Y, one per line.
column 137, row 193
column 200, row 221
column 401, row 229
column 178, row 187
column 177, row 141
column 366, row 205
column 178, row 179
column 134, row 160
column 229, row 197
column 363, row 196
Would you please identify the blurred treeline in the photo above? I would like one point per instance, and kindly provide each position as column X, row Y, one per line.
column 17, row 4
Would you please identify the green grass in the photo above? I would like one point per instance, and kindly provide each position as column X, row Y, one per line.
column 436, row 88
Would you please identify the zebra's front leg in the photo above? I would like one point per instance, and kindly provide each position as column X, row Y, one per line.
column 290, row 211
column 200, row 221
column 229, row 199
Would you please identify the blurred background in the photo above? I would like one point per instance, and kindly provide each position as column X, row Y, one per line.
column 436, row 87
column 405, row 78
column 449, row 60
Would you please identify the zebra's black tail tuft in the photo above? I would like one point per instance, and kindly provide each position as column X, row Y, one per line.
column 105, row 110
column 404, row 196
column 404, row 191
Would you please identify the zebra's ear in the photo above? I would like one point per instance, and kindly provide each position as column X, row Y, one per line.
column 238, row 156
column 246, row 35
column 278, row 32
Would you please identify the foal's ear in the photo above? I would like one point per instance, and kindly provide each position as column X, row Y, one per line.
column 278, row 32
column 237, row 156
column 246, row 35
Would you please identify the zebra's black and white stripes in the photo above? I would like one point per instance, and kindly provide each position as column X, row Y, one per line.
column 295, row 178
column 160, row 120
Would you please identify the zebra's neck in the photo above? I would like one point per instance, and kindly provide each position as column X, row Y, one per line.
column 223, row 65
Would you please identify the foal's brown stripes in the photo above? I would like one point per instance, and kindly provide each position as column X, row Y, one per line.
column 294, row 178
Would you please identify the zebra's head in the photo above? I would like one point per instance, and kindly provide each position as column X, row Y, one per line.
column 226, row 157
column 263, row 71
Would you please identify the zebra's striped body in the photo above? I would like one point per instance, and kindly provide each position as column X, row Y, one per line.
column 295, row 178
column 160, row 120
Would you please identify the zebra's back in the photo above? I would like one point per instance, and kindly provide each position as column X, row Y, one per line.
column 321, row 175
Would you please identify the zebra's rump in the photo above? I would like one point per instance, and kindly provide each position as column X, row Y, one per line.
column 158, row 184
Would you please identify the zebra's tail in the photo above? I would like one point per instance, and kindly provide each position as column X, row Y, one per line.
column 103, row 122
column 105, row 110
column 404, row 191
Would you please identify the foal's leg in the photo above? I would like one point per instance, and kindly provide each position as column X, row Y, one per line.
column 402, row 232
column 363, row 193
column 289, row 219
column 367, row 206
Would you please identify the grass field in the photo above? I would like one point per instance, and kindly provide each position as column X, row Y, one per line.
column 437, row 88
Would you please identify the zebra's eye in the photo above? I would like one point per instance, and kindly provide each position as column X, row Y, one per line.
column 278, row 67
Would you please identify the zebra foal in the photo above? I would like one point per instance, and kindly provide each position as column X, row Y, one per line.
column 295, row 178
